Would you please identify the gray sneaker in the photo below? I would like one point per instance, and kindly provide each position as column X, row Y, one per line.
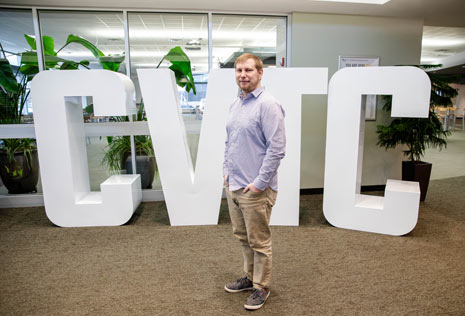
column 242, row 284
column 256, row 299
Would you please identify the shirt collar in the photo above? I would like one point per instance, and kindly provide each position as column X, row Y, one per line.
column 254, row 93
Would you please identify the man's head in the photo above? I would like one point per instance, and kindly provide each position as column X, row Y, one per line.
column 249, row 72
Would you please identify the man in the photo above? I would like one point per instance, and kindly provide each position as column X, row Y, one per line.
column 255, row 144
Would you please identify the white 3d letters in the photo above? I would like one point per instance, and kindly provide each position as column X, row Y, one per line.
column 62, row 148
column 343, row 205
column 193, row 198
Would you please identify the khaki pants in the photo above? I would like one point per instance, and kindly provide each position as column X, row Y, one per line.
column 250, row 217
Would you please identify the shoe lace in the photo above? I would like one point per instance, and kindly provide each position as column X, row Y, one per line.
column 242, row 280
column 256, row 293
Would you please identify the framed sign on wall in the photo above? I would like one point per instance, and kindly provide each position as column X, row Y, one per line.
column 360, row 61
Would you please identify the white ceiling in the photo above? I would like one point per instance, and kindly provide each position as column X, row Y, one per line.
column 441, row 42
column 434, row 12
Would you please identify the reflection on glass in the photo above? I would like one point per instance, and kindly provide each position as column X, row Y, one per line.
column 14, row 25
column 19, row 166
column 233, row 35
column 83, row 40
column 151, row 36
column 104, row 30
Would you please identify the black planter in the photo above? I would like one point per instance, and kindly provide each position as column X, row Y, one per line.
column 21, row 175
column 145, row 166
column 417, row 171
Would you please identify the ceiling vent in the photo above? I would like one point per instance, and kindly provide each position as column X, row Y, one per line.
column 193, row 44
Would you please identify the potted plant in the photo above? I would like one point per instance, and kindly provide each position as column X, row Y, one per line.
column 117, row 155
column 417, row 134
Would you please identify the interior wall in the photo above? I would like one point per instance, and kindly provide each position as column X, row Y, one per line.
column 317, row 41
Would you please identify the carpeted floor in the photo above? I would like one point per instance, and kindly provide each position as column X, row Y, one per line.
column 149, row 268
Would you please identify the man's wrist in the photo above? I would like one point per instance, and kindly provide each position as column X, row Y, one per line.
column 260, row 184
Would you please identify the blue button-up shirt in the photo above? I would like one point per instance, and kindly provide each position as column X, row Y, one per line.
column 255, row 141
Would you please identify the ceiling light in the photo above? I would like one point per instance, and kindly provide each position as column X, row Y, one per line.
column 359, row 1
column 442, row 42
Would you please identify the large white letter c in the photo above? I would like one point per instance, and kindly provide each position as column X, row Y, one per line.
column 343, row 205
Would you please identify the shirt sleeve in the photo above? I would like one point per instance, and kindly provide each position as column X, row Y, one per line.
column 226, row 148
column 272, row 124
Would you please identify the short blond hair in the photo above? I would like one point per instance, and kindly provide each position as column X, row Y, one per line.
column 244, row 57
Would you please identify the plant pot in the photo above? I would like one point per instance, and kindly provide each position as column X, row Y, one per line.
column 145, row 166
column 21, row 175
column 417, row 171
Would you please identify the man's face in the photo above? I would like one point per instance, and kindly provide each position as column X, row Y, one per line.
column 247, row 76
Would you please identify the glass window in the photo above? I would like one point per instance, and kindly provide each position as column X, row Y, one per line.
column 264, row 36
column 151, row 37
column 88, row 33
column 20, row 174
column 14, row 25
column 103, row 30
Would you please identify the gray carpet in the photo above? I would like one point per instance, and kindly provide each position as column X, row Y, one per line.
column 149, row 268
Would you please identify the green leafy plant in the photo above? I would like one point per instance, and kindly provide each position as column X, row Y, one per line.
column 14, row 83
column 180, row 63
column 29, row 61
column 419, row 133
column 181, row 66
column 13, row 97
column 13, row 93
column 13, row 146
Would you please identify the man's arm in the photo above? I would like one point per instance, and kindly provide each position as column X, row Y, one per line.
column 226, row 148
column 272, row 120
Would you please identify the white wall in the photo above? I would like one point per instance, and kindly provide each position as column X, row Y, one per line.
column 317, row 41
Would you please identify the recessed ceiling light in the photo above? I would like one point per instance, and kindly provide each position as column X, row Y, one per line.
column 359, row 1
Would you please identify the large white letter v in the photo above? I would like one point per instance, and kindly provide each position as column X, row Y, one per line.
column 192, row 198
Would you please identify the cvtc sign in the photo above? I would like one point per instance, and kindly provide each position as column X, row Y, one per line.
column 193, row 197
